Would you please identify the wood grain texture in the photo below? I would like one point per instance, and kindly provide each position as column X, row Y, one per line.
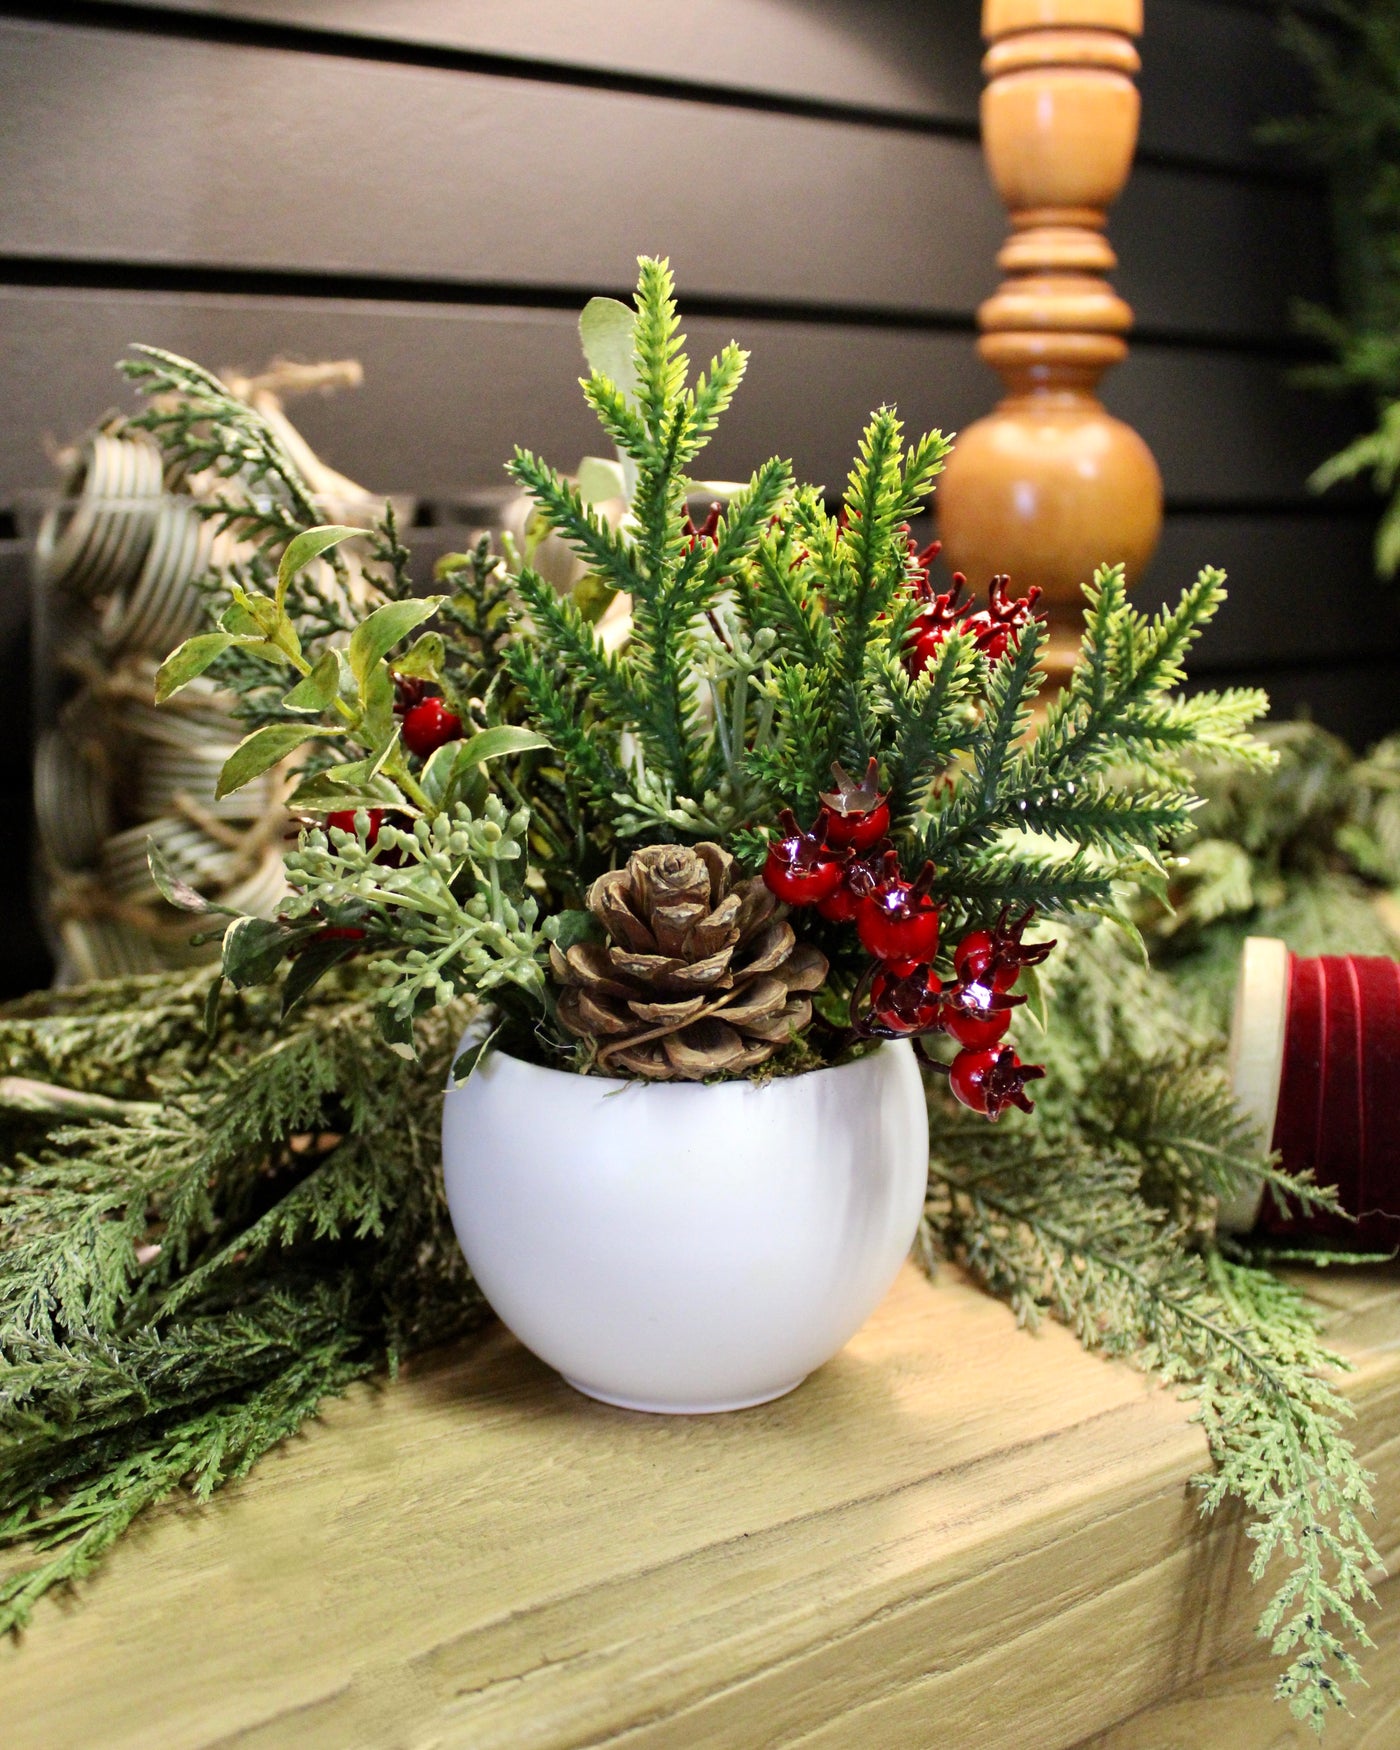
column 917, row 1547
column 268, row 158
column 1223, row 1710
column 1212, row 73
column 449, row 389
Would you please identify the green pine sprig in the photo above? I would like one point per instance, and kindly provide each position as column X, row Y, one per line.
column 650, row 695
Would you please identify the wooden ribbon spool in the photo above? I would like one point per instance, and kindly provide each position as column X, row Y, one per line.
column 1049, row 485
column 1315, row 1061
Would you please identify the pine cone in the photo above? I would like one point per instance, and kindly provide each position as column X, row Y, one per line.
column 697, row 977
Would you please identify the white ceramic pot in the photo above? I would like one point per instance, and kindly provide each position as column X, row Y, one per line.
column 683, row 1248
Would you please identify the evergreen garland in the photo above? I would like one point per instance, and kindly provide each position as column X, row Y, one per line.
column 1296, row 853
column 204, row 1236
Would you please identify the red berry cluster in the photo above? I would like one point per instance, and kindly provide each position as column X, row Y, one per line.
column 995, row 629
column 427, row 722
column 845, row 866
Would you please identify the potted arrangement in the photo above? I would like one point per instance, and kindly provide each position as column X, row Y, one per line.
column 713, row 879
column 222, row 1202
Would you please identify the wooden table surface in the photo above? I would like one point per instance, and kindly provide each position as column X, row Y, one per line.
column 955, row 1534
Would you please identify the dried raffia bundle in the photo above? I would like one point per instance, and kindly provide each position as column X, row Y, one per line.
column 127, row 557
column 696, row 975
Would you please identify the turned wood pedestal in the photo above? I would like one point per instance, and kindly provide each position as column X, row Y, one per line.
column 1049, row 485
column 955, row 1534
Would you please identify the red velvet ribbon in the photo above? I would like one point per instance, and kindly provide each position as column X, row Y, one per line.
column 1339, row 1098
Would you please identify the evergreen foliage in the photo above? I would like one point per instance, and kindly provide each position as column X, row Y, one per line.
column 759, row 652
column 763, row 655
column 204, row 1237
column 1099, row 1212
column 1295, row 853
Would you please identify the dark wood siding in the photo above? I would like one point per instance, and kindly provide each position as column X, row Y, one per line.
column 434, row 188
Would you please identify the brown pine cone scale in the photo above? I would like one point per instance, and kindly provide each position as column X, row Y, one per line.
column 697, row 976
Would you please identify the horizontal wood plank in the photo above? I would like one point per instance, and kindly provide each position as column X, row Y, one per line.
column 1301, row 588
column 1211, row 73
column 880, row 55
column 164, row 151
column 450, row 388
column 917, row 1547
column 1358, row 699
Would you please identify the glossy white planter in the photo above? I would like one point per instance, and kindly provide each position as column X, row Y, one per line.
column 675, row 1247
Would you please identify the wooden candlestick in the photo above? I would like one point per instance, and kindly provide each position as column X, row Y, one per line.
column 1049, row 485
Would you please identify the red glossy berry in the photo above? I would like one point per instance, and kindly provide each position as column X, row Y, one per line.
column 972, row 959
column 859, row 876
column 897, row 920
column 801, row 869
column 408, row 691
column 922, row 649
column 996, row 956
column 931, row 625
column 859, row 833
column 858, row 814
column 977, row 1015
column 841, row 906
column 904, row 1002
column 344, row 818
column 991, row 1079
column 428, row 726
column 967, row 1077
column 340, row 933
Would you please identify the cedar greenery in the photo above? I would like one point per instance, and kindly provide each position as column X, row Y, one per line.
column 1297, row 852
column 223, row 1205
column 285, row 1171
column 1098, row 1212
column 1062, row 1226
column 204, row 1236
